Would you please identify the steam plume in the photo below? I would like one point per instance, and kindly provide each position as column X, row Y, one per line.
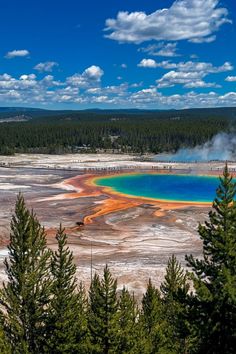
column 222, row 147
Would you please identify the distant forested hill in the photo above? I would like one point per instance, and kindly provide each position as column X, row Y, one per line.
column 136, row 131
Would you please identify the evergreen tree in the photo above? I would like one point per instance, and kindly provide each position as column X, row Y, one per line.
column 175, row 280
column 127, row 316
column 64, row 310
column 175, row 305
column 82, row 331
column 26, row 295
column 103, row 313
column 95, row 320
column 4, row 345
column 214, row 275
column 151, row 319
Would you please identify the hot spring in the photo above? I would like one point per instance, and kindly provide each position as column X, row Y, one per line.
column 163, row 187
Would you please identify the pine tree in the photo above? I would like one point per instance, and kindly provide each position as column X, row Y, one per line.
column 127, row 319
column 64, row 311
column 95, row 320
column 214, row 275
column 175, row 305
column 103, row 311
column 26, row 295
column 151, row 319
column 82, row 331
column 175, row 280
column 4, row 345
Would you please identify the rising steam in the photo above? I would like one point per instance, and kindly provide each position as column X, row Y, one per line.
column 222, row 147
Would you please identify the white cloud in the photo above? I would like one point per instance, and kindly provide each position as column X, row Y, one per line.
column 193, row 20
column 100, row 99
column 188, row 79
column 152, row 98
column 90, row 76
column 183, row 70
column 17, row 53
column 166, row 64
column 190, row 74
column 48, row 80
column 148, row 63
column 228, row 97
column 7, row 82
column 204, row 67
column 204, row 40
column 47, row 66
column 65, row 98
column 230, row 78
column 94, row 90
column 93, row 73
column 151, row 63
column 161, row 49
column 117, row 90
column 28, row 77
column 28, row 89
column 200, row 84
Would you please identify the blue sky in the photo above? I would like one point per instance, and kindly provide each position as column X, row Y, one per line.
column 118, row 54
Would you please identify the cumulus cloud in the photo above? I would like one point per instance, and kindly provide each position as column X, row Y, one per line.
column 230, row 78
column 86, row 88
column 151, row 63
column 93, row 73
column 200, row 84
column 116, row 90
column 28, row 88
column 148, row 63
column 7, row 82
column 17, row 53
column 28, row 77
column 188, row 79
column 100, row 99
column 47, row 66
column 161, row 49
column 90, row 76
column 204, row 67
column 185, row 66
column 192, row 20
column 190, row 74
column 153, row 98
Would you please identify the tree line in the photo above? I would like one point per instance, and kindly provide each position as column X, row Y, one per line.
column 44, row 309
column 118, row 132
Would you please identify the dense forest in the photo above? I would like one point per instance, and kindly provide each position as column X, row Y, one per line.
column 125, row 131
column 44, row 308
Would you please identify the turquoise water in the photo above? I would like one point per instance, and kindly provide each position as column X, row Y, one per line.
column 188, row 188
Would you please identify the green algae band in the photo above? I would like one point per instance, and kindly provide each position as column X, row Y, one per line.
column 177, row 188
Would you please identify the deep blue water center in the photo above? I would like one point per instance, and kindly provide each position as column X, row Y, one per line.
column 181, row 188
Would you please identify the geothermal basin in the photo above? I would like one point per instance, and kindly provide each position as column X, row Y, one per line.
column 135, row 213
